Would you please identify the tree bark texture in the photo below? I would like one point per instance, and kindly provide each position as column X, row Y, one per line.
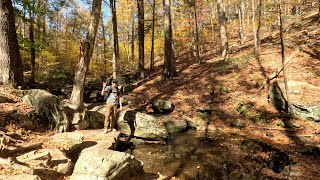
column 141, row 36
column 223, row 28
column 116, row 53
column 152, row 36
column 169, row 69
column 86, row 51
column 11, row 71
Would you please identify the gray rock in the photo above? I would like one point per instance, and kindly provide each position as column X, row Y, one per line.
column 48, row 108
column 96, row 116
column 196, row 122
column 238, row 123
column 299, row 91
column 162, row 106
column 127, row 88
column 125, row 100
column 63, row 164
column 133, row 123
column 68, row 141
column 77, row 116
column 4, row 99
column 21, row 177
column 175, row 125
column 100, row 163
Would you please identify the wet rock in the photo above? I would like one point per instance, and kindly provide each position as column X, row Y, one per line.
column 203, row 112
column 133, row 123
column 196, row 122
column 310, row 151
column 278, row 160
column 238, row 123
column 269, row 134
column 300, row 93
column 175, row 125
column 97, row 162
column 48, row 108
column 68, row 141
column 162, row 106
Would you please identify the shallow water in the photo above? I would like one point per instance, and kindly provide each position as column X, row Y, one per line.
column 189, row 155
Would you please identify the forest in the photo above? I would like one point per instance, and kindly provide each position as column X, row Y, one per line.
column 159, row 89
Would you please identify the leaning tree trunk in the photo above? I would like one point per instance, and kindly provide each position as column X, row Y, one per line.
column 116, row 53
column 152, row 36
column 141, row 37
column 223, row 28
column 11, row 71
column 284, row 65
column 169, row 69
column 86, row 50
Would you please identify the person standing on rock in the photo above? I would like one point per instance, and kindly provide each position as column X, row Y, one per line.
column 112, row 101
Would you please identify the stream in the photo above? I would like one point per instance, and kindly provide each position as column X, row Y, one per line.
column 192, row 155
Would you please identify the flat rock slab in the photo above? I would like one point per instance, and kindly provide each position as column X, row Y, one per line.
column 20, row 177
column 110, row 139
column 68, row 141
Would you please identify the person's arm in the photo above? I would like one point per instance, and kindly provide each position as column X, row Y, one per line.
column 103, row 91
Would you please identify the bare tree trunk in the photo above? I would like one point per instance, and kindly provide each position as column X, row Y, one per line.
column 241, row 21
column 169, row 69
column 11, row 71
column 116, row 54
column 259, row 28
column 284, row 65
column 223, row 28
column 211, row 21
column 141, row 37
column 43, row 22
column 196, row 32
column 254, row 32
column 104, row 45
column 152, row 36
column 86, row 50
column 132, row 43
column 32, row 48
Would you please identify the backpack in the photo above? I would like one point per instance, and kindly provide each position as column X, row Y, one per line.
column 105, row 98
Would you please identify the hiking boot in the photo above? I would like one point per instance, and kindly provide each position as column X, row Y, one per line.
column 105, row 131
column 114, row 130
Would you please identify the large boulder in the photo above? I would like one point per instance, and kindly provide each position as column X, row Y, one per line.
column 96, row 116
column 68, row 141
column 133, row 123
column 77, row 115
column 175, row 125
column 48, row 108
column 305, row 99
column 162, row 106
column 98, row 162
